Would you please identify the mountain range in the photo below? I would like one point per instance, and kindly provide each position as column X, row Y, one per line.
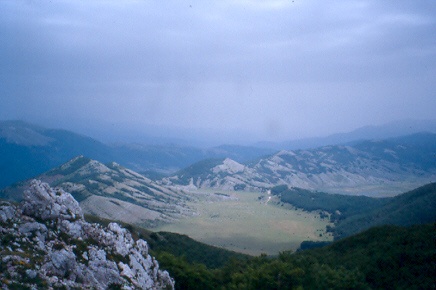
column 376, row 167
column 28, row 150
column 51, row 244
column 112, row 191
column 385, row 131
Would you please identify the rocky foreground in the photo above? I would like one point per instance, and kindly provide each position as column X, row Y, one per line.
column 45, row 243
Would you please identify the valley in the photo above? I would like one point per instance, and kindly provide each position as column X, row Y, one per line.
column 217, row 145
column 225, row 215
column 241, row 222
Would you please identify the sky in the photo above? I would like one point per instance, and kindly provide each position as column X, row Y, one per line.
column 255, row 70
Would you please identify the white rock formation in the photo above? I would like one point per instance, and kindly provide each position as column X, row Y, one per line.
column 60, row 249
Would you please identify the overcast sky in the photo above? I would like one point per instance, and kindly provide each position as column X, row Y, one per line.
column 272, row 70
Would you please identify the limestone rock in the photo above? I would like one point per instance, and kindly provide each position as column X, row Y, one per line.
column 42, row 201
column 61, row 250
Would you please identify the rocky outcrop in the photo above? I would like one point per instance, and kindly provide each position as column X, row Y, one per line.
column 46, row 243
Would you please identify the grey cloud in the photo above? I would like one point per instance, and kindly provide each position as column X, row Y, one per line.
column 257, row 65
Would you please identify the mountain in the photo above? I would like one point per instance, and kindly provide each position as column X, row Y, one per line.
column 28, row 150
column 113, row 192
column 354, row 214
column 172, row 157
column 389, row 130
column 47, row 244
column 367, row 167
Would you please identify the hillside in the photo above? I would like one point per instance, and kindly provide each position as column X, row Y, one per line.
column 46, row 242
column 112, row 191
column 415, row 207
column 29, row 150
column 387, row 257
column 379, row 258
column 378, row 167
column 353, row 214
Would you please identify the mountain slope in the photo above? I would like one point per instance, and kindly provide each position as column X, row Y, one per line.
column 112, row 191
column 28, row 150
column 414, row 207
column 353, row 214
column 387, row 257
column 366, row 168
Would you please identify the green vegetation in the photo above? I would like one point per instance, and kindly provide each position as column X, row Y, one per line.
column 352, row 214
column 414, row 207
column 240, row 222
column 387, row 257
column 339, row 206
column 191, row 250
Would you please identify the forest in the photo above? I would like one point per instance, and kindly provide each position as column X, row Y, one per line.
column 384, row 257
column 387, row 257
column 353, row 214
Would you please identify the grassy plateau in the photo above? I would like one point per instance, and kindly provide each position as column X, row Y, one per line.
column 241, row 222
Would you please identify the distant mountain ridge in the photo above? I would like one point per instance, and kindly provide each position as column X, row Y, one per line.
column 365, row 168
column 28, row 150
column 389, row 130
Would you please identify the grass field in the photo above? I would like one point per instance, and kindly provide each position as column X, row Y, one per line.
column 239, row 221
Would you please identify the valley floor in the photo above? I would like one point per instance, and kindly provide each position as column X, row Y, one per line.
column 243, row 222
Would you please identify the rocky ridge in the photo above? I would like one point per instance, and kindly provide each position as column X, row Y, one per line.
column 113, row 192
column 363, row 168
column 46, row 243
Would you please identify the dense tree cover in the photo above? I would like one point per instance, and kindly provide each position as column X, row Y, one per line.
column 193, row 251
column 414, row 207
column 352, row 214
column 338, row 205
column 387, row 257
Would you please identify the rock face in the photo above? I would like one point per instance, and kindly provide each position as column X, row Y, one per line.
column 45, row 243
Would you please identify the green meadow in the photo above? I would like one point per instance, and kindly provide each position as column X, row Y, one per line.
column 240, row 221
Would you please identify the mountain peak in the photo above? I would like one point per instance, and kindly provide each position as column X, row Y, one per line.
column 228, row 166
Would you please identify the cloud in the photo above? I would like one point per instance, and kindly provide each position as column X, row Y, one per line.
column 275, row 68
